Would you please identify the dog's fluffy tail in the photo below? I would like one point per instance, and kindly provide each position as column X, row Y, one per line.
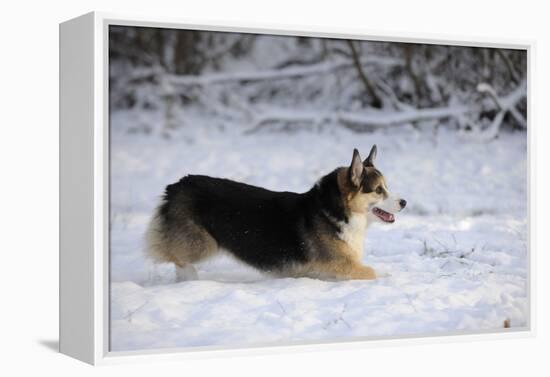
column 154, row 240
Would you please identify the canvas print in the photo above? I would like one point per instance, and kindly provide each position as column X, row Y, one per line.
column 275, row 190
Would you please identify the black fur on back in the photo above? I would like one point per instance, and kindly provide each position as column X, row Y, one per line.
column 263, row 228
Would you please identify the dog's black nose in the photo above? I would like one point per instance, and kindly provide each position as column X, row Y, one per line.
column 402, row 203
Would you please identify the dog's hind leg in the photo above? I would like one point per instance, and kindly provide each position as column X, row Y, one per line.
column 190, row 244
column 182, row 242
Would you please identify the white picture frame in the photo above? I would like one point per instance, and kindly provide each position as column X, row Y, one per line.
column 84, row 188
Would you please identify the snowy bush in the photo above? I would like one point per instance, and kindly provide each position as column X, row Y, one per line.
column 281, row 82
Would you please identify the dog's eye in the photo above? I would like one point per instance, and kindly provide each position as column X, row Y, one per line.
column 379, row 190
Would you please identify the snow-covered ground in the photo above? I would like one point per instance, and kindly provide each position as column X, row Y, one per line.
column 455, row 259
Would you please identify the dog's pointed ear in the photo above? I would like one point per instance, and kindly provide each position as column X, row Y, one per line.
column 356, row 169
column 369, row 161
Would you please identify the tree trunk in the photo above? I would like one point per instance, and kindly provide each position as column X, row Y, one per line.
column 376, row 102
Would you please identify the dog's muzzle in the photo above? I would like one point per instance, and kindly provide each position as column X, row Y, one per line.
column 383, row 215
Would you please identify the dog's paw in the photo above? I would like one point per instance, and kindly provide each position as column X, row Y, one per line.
column 187, row 273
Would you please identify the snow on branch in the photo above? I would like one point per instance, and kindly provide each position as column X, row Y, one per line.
column 367, row 119
column 272, row 74
column 206, row 88
column 375, row 118
column 506, row 104
column 509, row 102
column 376, row 101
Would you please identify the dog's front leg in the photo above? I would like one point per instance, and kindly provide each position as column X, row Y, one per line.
column 360, row 272
column 345, row 269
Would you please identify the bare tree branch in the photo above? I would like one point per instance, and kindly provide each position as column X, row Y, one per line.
column 504, row 104
column 367, row 119
column 408, row 48
column 376, row 101
column 509, row 66
column 255, row 76
column 407, row 115
column 509, row 102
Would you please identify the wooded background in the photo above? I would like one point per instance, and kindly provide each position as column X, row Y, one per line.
column 261, row 82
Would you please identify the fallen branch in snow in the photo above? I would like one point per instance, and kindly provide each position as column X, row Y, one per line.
column 411, row 115
column 258, row 118
column 266, row 75
column 367, row 119
column 505, row 105
column 509, row 102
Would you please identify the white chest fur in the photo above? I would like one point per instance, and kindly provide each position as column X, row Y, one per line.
column 353, row 233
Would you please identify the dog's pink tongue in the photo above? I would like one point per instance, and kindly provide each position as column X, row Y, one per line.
column 385, row 216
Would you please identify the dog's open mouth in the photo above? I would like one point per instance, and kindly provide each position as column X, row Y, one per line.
column 383, row 215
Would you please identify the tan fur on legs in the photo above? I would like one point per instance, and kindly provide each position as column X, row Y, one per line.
column 361, row 272
column 347, row 269
column 340, row 268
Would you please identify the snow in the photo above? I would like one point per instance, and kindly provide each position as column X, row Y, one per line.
column 455, row 259
column 272, row 74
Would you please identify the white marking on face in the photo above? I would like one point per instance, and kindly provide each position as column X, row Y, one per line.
column 390, row 204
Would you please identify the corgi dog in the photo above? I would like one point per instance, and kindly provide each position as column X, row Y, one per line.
column 319, row 233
